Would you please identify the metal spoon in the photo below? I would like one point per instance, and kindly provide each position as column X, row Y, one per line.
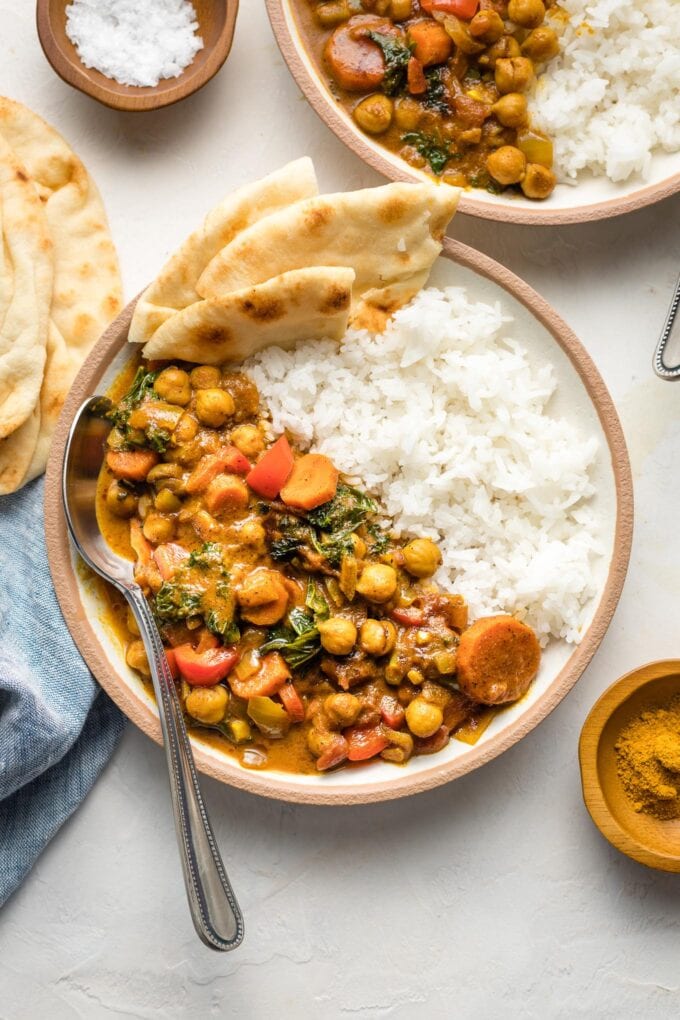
column 214, row 910
column 670, row 332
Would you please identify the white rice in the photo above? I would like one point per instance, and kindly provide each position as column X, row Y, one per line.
column 135, row 42
column 611, row 98
column 444, row 417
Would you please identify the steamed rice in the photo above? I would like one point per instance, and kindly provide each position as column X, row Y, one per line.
column 612, row 95
column 444, row 417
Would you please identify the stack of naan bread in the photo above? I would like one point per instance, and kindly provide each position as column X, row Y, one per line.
column 276, row 263
column 59, row 285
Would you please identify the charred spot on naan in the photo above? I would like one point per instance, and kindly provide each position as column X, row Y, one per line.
column 336, row 299
column 213, row 335
column 262, row 308
column 393, row 209
column 318, row 216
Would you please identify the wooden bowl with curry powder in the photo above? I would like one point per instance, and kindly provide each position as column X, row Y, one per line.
column 627, row 789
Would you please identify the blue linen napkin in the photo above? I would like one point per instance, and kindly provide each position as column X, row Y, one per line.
column 57, row 727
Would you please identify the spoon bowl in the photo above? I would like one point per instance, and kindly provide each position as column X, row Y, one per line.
column 640, row 836
column 214, row 910
column 216, row 20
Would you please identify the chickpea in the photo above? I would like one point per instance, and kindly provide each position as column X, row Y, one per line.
column 248, row 439
column 338, row 635
column 400, row 749
column 378, row 582
column 252, row 533
column 422, row 718
column 205, row 377
column 505, row 48
column 166, row 502
column 342, row 709
column 185, row 430
column 400, row 10
column 506, row 165
column 120, row 501
column 407, row 114
column 487, row 26
column 260, row 587
column 511, row 110
column 455, row 178
column 319, row 741
column 214, row 406
column 158, row 529
column 173, row 385
column 421, row 557
column 332, row 13
column 374, row 113
column 377, row 637
column 207, row 704
column 135, row 657
column 541, row 44
column 514, row 74
column 527, row 13
column 539, row 181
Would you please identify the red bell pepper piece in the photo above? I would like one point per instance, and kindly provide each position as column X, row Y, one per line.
column 172, row 662
column 292, row 702
column 207, row 668
column 365, row 742
column 169, row 558
column 335, row 753
column 461, row 8
column 409, row 616
column 391, row 712
column 271, row 473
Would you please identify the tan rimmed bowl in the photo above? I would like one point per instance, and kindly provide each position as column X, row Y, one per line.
column 640, row 836
column 582, row 397
column 593, row 198
column 216, row 21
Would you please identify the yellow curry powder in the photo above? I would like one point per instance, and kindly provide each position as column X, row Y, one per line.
column 648, row 752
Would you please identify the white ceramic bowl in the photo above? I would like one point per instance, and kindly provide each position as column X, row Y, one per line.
column 582, row 397
column 593, row 198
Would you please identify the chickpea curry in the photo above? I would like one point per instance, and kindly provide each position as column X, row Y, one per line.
column 302, row 632
column 442, row 83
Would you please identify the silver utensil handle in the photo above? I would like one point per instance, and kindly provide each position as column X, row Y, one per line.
column 214, row 910
column 671, row 331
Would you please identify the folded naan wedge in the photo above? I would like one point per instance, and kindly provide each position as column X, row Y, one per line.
column 26, row 275
column 86, row 293
column 389, row 236
column 175, row 286
column 303, row 304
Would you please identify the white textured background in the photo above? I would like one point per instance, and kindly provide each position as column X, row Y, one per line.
column 494, row 897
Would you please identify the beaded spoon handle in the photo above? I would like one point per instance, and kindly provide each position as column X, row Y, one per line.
column 671, row 331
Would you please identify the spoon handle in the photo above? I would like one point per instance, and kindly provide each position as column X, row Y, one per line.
column 214, row 910
column 670, row 332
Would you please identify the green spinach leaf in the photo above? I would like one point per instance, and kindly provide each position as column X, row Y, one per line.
column 397, row 56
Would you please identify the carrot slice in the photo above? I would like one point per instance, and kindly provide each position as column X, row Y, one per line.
column 132, row 464
column 417, row 82
column 431, row 43
column 313, row 481
column 224, row 491
column 269, row 679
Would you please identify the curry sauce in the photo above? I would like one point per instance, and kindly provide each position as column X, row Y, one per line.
column 303, row 633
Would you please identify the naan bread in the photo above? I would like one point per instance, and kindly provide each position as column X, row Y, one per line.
column 175, row 286
column 25, row 292
column 389, row 236
column 303, row 304
column 87, row 291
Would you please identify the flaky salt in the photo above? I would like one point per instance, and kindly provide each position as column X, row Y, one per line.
column 135, row 42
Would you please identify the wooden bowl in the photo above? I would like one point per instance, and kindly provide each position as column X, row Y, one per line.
column 640, row 836
column 216, row 19
column 582, row 396
column 593, row 198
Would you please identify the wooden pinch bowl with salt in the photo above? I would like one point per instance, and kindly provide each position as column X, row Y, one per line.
column 216, row 20
column 642, row 837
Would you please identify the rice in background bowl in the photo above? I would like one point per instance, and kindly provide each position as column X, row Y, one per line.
column 612, row 95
